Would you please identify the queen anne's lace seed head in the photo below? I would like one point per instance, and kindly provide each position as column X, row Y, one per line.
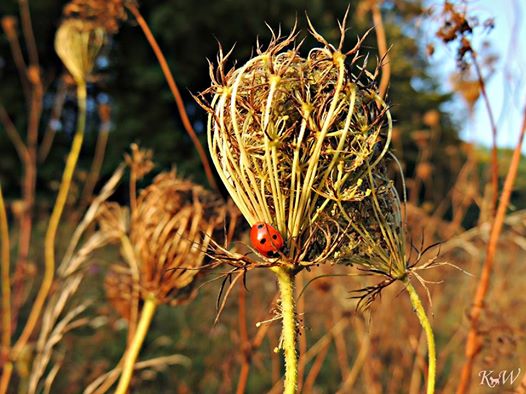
column 292, row 135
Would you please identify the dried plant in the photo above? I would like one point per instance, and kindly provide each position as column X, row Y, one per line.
column 164, row 244
column 78, row 43
column 289, row 136
column 171, row 229
column 103, row 13
column 56, row 319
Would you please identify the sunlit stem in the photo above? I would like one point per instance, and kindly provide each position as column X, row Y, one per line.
column 424, row 321
column 288, row 312
column 148, row 310
column 54, row 220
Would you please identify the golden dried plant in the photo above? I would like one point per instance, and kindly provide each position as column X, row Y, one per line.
column 170, row 230
column 289, row 135
column 105, row 13
column 78, row 43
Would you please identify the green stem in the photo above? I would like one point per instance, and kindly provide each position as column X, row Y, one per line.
column 286, row 288
column 424, row 322
column 148, row 310
column 54, row 220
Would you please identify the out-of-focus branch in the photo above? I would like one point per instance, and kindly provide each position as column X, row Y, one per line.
column 382, row 48
column 98, row 158
column 9, row 26
column 494, row 157
column 175, row 92
column 6, row 297
column 13, row 135
column 27, row 29
column 54, row 119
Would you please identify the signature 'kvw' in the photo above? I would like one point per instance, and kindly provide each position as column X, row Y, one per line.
column 492, row 378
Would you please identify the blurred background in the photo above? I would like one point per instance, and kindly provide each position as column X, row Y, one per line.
column 442, row 137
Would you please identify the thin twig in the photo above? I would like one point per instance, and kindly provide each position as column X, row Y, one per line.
column 6, row 296
column 27, row 29
column 13, row 135
column 9, row 26
column 245, row 348
column 175, row 92
column 382, row 49
column 494, row 157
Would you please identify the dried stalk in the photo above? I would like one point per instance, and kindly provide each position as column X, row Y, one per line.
column 148, row 310
column 175, row 92
column 7, row 364
column 382, row 48
column 473, row 342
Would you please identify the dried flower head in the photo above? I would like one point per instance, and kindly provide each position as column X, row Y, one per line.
column 170, row 231
column 105, row 13
column 78, row 43
column 140, row 161
column 167, row 239
column 290, row 134
column 376, row 237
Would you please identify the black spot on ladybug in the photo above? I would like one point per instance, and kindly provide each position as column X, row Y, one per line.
column 262, row 240
column 274, row 236
column 261, row 226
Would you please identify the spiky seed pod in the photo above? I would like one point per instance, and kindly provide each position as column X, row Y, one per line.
column 290, row 134
column 375, row 239
column 170, row 231
column 78, row 43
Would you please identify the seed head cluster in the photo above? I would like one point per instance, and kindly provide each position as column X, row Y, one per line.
column 292, row 136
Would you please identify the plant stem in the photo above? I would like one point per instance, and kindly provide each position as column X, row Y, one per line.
column 148, row 310
column 286, row 288
column 473, row 340
column 6, row 298
column 175, row 92
column 424, row 322
column 51, row 232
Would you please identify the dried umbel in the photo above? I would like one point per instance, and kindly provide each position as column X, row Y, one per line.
column 170, row 230
column 375, row 239
column 78, row 43
column 105, row 13
column 289, row 135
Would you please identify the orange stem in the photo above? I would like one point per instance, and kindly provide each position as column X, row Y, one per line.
column 474, row 342
column 175, row 92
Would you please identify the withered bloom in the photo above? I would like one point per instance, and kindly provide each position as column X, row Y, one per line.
column 170, row 231
column 291, row 135
column 165, row 242
column 104, row 13
column 78, row 44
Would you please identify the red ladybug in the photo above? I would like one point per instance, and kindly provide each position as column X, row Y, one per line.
column 266, row 239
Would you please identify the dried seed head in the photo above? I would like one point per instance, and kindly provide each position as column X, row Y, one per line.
column 119, row 289
column 78, row 43
column 105, row 13
column 170, row 231
column 140, row 161
column 289, row 135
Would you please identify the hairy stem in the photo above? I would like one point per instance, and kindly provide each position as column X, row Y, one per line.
column 286, row 288
column 148, row 310
column 51, row 232
column 424, row 322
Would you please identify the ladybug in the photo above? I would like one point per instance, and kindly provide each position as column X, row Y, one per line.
column 266, row 239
